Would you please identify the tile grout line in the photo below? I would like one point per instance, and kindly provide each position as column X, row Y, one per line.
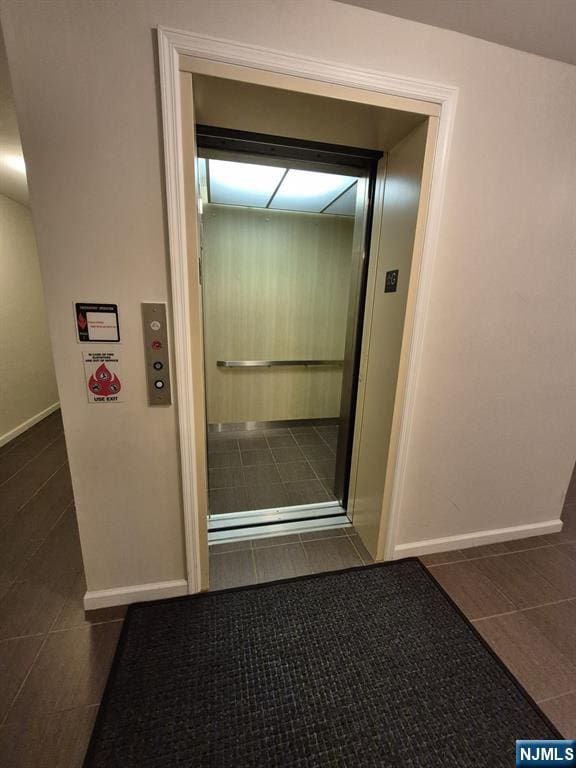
column 254, row 566
column 275, row 463
column 334, row 473
column 351, row 540
column 88, row 625
column 313, row 470
column 304, row 457
column 21, row 637
column 546, row 545
column 541, row 575
column 19, row 443
column 31, row 459
column 497, row 588
column 571, row 692
column 524, row 610
column 57, row 712
column 37, row 491
column 26, row 676
column 510, row 552
column 309, row 463
column 309, row 563
column 63, row 711
column 17, row 579
column 25, row 436
column 493, row 616
column 52, row 631
column 321, row 538
column 44, row 540
column 505, row 594
column 548, row 604
column 326, row 444
column 65, row 603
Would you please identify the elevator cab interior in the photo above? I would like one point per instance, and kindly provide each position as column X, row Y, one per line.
column 283, row 233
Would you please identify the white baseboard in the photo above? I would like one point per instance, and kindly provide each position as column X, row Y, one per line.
column 466, row 540
column 28, row 423
column 138, row 593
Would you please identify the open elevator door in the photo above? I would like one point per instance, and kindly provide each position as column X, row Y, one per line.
column 241, row 152
column 355, row 316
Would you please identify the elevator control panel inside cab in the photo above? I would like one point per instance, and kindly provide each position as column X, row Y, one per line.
column 156, row 353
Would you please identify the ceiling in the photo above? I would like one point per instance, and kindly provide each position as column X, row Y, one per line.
column 12, row 169
column 544, row 27
column 248, row 184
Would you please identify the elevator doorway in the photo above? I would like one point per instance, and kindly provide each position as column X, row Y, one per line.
column 285, row 228
column 404, row 132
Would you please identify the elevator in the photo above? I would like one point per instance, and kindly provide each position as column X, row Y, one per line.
column 284, row 242
column 305, row 214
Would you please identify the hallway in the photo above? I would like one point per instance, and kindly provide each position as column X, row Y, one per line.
column 54, row 661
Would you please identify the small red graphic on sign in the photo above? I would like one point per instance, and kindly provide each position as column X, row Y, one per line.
column 82, row 322
column 104, row 384
column 156, row 344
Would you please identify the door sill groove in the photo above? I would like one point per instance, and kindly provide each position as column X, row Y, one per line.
column 262, row 526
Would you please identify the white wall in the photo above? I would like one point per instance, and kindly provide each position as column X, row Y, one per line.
column 27, row 380
column 495, row 430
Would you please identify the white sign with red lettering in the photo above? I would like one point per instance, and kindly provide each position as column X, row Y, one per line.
column 103, row 379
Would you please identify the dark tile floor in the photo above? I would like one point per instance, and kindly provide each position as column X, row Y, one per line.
column 54, row 659
column 276, row 467
column 281, row 557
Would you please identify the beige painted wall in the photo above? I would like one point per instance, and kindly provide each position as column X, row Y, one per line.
column 275, row 287
column 27, row 380
column 383, row 332
column 495, row 424
column 261, row 109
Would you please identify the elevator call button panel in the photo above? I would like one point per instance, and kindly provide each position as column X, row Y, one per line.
column 156, row 353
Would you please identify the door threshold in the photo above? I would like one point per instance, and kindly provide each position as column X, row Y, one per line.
column 249, row 426
column 276, row 522
column 279, row 529
column 272, row 515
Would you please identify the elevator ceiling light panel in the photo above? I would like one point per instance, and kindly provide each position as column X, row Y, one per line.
column 344, row 205
column 242, row 183
column 252, row 185
column 309, row 191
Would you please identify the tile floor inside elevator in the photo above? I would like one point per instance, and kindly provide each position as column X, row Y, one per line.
column 271, row 468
